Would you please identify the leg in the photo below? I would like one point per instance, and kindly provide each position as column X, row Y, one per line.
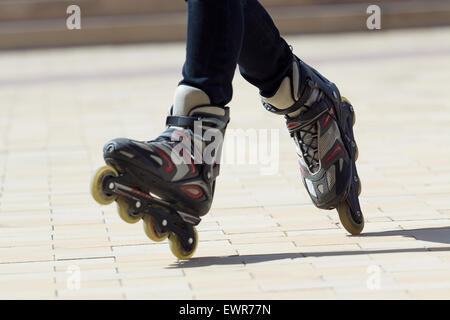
column 318, row 119
column 265, row 56
column 169, row 182
column 214, row 39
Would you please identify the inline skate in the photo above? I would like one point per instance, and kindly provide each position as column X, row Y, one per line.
column 321, row 123
column 168, row 182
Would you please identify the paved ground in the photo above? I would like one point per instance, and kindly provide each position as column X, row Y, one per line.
column 263, row 238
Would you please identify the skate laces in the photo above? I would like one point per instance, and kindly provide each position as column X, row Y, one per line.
column 306, row 137
column 307, row 140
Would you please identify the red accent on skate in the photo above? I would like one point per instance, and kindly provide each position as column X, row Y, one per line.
column 192, row 191
column 192, row 220
column 193, row 169
column 170, row 165
column 327, row 120
column 302, row 170
column 144, row 195
column 127, row 195
column 329, row 117
column 124, row 194
column 293, row 125
column 335, row 152
column 182, row 135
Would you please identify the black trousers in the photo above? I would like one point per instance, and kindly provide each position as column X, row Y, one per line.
column 224, row 33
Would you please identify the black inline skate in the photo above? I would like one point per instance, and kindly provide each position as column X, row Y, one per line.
column 321, row 124
column 168, row 182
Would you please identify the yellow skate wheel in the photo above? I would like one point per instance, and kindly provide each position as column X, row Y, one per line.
column 97, row 185
column 178, row 250
column 125, row 213
column 150, row 230
column 347, row 221
column 344, row 99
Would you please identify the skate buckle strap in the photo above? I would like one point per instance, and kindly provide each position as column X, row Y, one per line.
column 189, row 121
column 297, row 105
column 306, row 118
column 181, row 121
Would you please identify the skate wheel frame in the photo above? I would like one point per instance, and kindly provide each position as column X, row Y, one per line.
column 344, row 209
column 150, row 229
column 177, row 248
column 97, row 185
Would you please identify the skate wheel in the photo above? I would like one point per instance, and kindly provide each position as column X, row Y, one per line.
column 123, row 208
column 356, row 153
column 345, row 100
column 151, row 230
column 177, row 248
column 345, row 215
column 97, row 185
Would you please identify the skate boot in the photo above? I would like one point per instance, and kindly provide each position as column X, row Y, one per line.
column 168, row 182
column 321, row 124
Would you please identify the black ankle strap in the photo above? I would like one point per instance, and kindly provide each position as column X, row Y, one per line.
column 213, row 121
column 181, row 121
column 296, row 106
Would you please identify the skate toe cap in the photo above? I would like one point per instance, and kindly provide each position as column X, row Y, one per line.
column 115, row 146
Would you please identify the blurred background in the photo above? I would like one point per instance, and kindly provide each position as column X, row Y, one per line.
column 42, row 23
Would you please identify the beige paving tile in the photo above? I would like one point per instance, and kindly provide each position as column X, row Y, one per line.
column 102, row 291
column 146, row 294
column 227, row 293
column 375, row 295
column 430, row 294
column 307, row 294
column 83, row 253
column 266, row 248
column 24, row 285
column 88, row 264
column 24, row 268
column 25, row 254
column 335, row 250
column 36, row 294
column 330, row 259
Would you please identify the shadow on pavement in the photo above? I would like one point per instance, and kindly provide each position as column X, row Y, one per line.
column 439, row 235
